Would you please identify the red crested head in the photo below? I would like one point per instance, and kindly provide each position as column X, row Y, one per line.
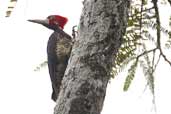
column 53, row 22
column 57, row 20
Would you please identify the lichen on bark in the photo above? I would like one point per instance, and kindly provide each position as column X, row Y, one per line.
column 102, row 26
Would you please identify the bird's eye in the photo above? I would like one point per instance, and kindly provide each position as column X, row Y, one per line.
column 51, row 17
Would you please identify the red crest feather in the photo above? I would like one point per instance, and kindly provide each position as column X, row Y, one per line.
column 59, row 19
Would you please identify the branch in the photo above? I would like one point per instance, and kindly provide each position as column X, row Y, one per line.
column 145, row 10
column 158, row 30
column 157, row 22
column 146, row 52
column 165, row 58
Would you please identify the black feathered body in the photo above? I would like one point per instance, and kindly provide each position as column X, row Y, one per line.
column 58, row 50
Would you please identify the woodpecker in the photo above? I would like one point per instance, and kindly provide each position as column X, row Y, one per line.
column 58, row 50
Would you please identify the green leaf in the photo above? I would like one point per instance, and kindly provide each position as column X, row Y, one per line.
column 130, row 23
column 130, row 76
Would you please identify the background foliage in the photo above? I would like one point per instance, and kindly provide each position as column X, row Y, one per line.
column 143, row 45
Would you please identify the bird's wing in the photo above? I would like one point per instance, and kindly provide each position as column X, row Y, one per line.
column 59, row 48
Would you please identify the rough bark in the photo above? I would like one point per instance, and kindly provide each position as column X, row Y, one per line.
column 102, row 26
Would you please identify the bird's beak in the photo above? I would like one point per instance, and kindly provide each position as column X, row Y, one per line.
column 39, row 21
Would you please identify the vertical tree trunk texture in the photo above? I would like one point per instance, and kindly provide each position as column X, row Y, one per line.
column 102, row 26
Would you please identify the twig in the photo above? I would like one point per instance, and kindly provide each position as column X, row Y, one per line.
column 165, row 58
column 155, row 66
column 157, row 22
column 146, row 52
column 158, row 30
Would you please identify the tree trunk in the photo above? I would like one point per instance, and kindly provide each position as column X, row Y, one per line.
column 102, row 26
